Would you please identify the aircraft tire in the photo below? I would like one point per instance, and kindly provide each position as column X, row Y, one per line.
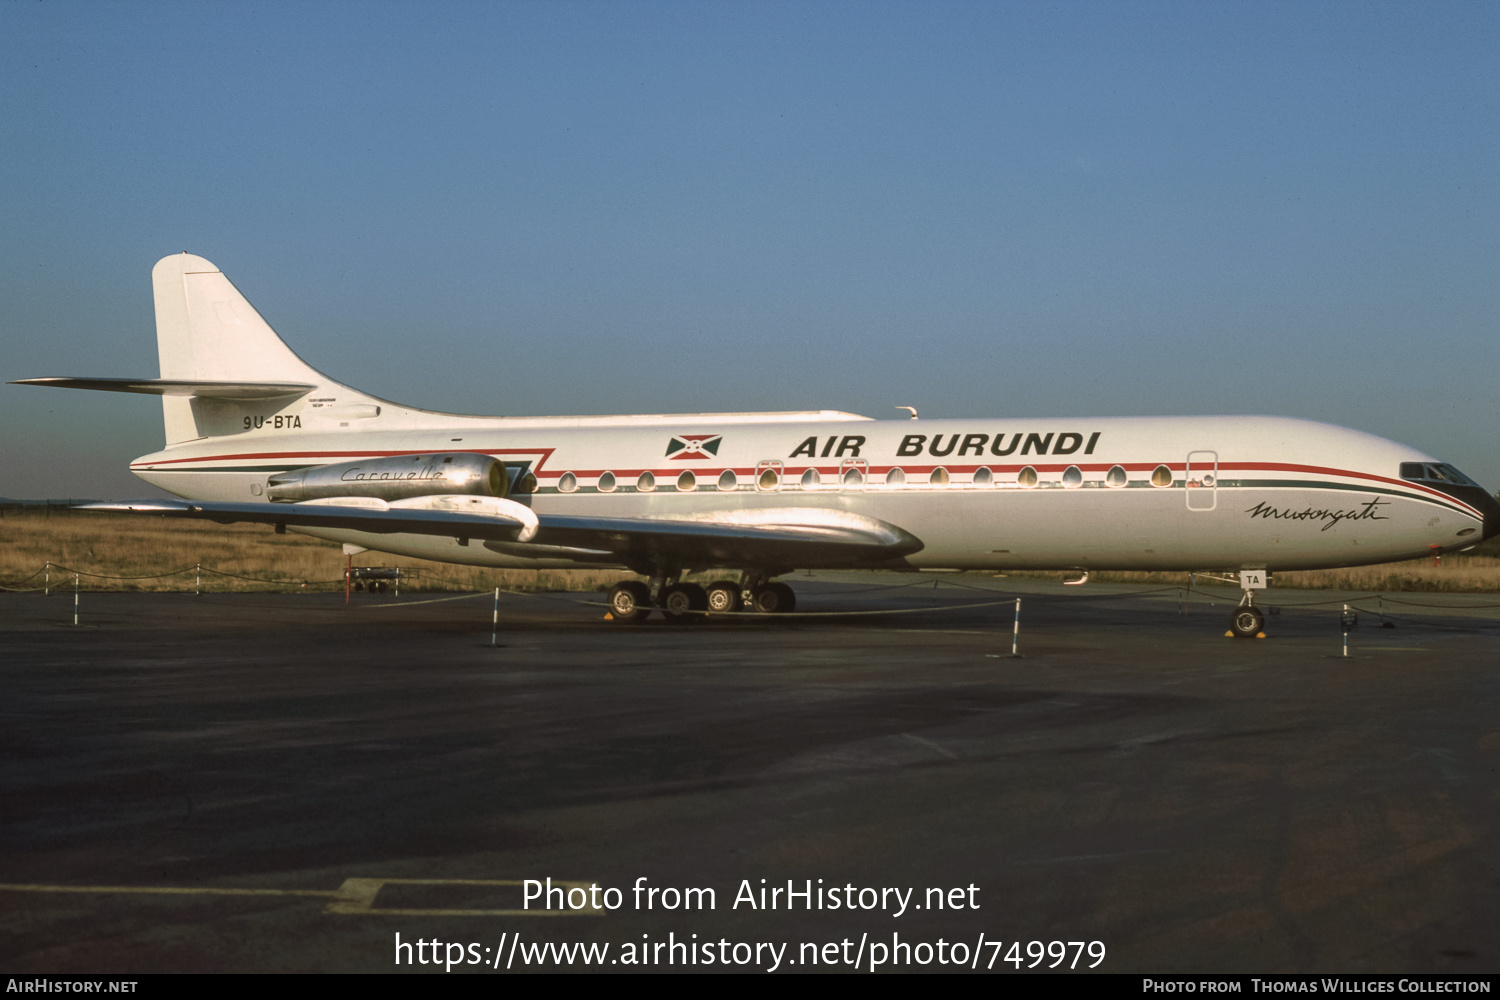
column 1246, row 622
column 684, row 603
column 630, row 602
column 775, row 598
column 724, row 597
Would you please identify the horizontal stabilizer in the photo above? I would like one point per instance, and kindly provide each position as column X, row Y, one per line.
column 179, row 387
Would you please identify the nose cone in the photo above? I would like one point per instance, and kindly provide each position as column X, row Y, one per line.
column 1491, row 509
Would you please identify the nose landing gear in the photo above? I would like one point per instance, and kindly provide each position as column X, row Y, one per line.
column 1247, row 622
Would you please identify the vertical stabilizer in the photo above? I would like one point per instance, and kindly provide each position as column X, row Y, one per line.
column 207, row 331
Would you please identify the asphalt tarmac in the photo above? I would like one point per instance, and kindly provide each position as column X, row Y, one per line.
column 283, row 783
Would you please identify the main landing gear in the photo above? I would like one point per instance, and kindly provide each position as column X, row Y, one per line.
column 687, row 603
column 630, row 601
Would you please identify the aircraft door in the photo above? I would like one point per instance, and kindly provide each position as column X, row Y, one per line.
column 1202, row 480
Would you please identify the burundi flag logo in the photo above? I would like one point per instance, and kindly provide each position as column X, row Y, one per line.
column 689, row 446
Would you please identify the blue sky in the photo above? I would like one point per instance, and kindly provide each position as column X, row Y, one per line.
column 981, row 209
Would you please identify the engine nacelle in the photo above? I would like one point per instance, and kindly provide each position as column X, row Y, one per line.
column 396, row 478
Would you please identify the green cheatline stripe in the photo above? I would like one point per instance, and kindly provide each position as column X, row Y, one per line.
column 1320, row 485
column 1224, row 484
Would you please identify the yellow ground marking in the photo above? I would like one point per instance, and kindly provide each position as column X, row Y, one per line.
column 355, row 895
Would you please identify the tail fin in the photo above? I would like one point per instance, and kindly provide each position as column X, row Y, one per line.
column 206, row 331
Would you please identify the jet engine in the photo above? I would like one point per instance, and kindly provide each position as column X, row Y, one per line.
column 396, row 478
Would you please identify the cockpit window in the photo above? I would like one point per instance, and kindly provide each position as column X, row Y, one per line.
column 1434, row 472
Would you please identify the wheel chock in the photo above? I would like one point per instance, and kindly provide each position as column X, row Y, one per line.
column 1260, row 635
column 609, row 616
column 1229, row 635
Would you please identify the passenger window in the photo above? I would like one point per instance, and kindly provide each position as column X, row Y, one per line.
column 1161, row 476
column 1026, row 478
column 939, row 477
column 646, row 483
column 567, row 483
column 896, row 477
column 687, row 482
column 1072, row 477
column 983, row 477
column 728, row 481
column 811, row 479
column 1116, row 477
column 606, row 482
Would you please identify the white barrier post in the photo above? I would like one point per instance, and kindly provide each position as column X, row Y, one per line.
column 47, row 580
column 1346, row 633
column 398, row 581
column 198, row 581
column 75, row 598
column 495, row 622
column 1015, row 633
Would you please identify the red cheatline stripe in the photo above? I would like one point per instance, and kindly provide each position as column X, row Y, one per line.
column 795, row 470
column 546, row 453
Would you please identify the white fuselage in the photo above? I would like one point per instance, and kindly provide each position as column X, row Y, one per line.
column 1244, row 492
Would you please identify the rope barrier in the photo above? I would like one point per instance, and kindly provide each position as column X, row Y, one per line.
column 33, row 576
column 1080, row 596
column 1429, row 623
column 198, row 568
column 429, row 577
column 409, row 604
column 1419, row 604
column 831, row 614
column 261, row 579
column 1186, row 595
column 106, row 576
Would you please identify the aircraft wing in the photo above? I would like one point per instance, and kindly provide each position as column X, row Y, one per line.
column 780, row 537
column 783, row 537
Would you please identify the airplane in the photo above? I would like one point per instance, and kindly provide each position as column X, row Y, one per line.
column 253, row 433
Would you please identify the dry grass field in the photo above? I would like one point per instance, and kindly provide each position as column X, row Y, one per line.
column 121, row 552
